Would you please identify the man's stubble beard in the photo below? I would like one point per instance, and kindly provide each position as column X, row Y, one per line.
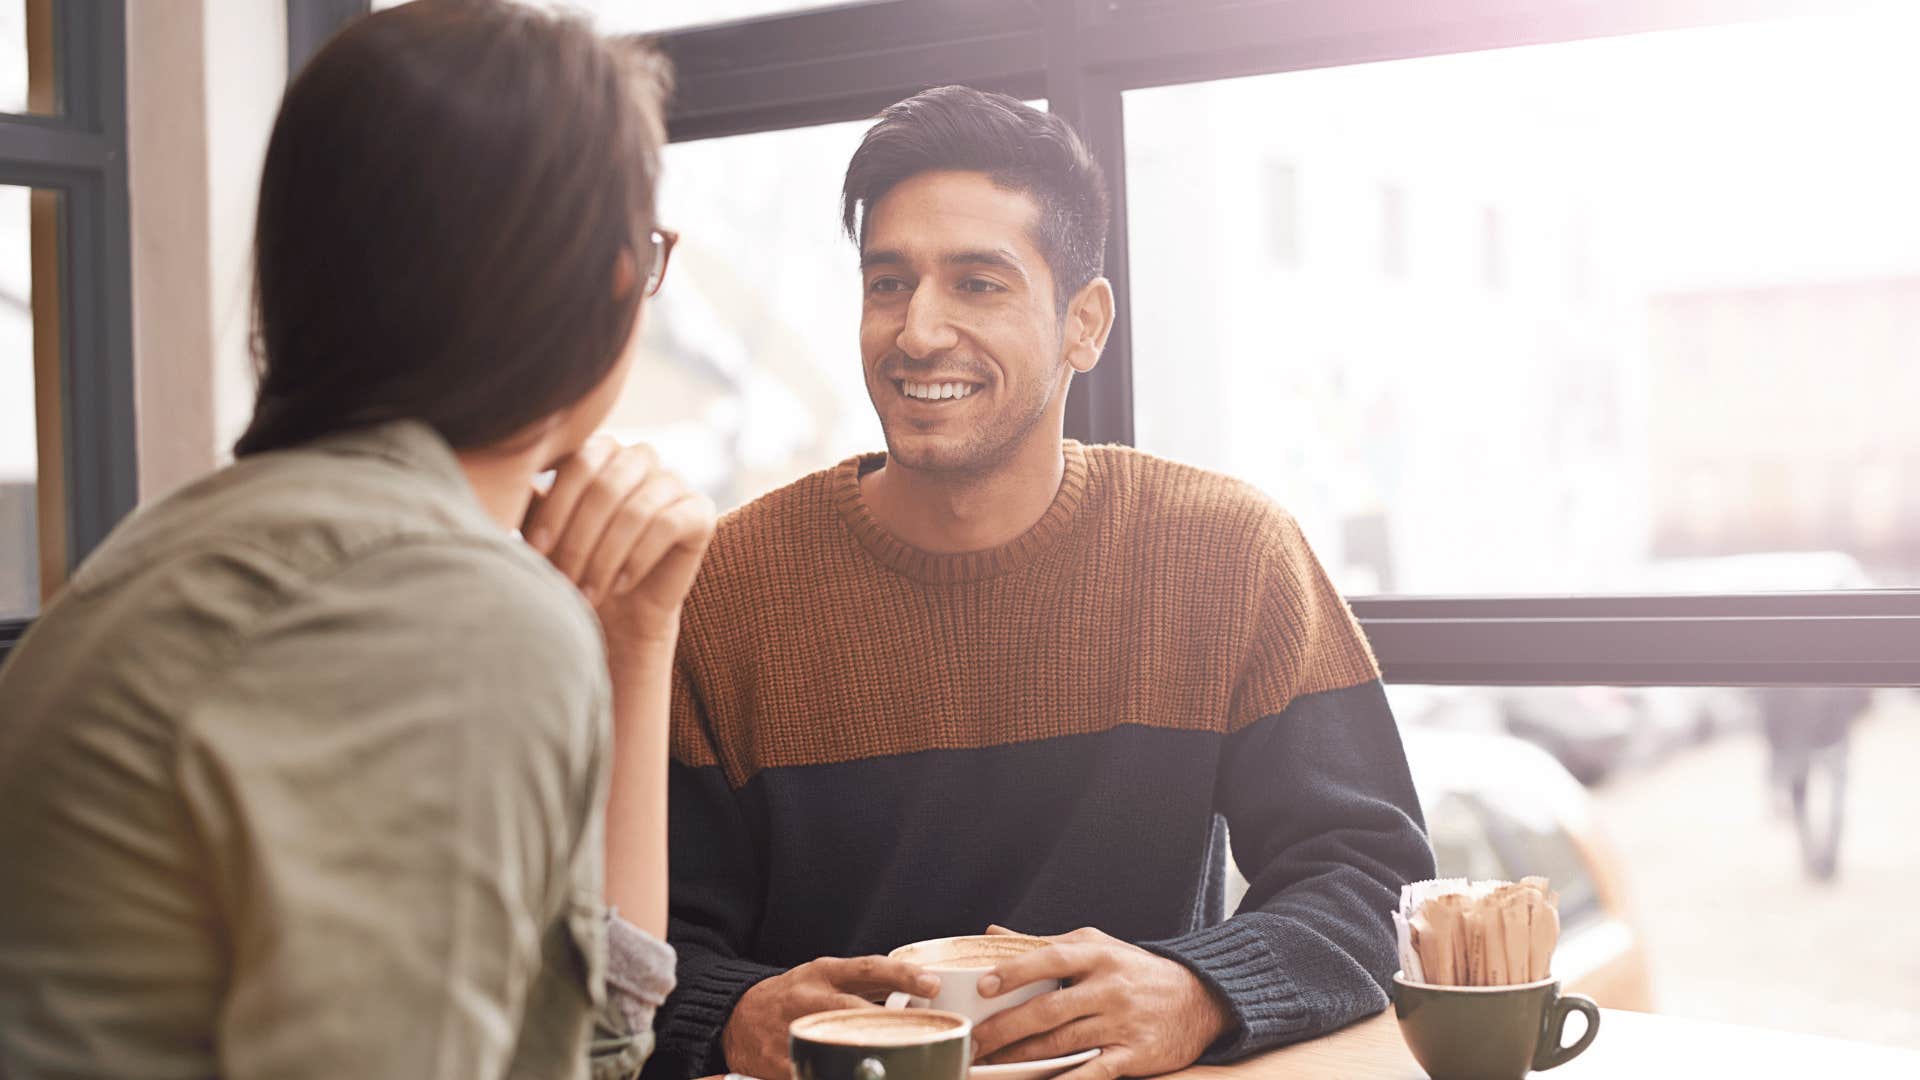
column 980, row 453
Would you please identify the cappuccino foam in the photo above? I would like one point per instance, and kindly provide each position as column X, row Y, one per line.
column 877, row 1027
column 969, row 953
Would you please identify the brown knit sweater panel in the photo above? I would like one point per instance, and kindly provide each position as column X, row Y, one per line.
column 1150, row 593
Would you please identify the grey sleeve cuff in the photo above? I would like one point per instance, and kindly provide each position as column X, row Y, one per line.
column 639, row 978
column 639, row 972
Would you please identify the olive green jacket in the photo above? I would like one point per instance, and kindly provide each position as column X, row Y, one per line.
column 303, row 776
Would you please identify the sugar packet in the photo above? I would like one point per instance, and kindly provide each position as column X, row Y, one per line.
column 1455, row 932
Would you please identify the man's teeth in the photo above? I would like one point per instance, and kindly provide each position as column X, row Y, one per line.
column 935, row 391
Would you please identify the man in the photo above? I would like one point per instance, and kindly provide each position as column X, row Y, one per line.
column 995, row 677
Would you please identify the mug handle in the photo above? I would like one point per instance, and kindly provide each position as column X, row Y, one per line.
column 1551, row 1053
column 899, row 1000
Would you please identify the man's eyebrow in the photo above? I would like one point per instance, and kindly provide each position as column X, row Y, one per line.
column 998, row 258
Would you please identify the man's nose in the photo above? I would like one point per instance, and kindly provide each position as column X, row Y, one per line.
column 929, row 328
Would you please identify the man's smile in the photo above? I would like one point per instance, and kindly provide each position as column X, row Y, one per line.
column 934, row 393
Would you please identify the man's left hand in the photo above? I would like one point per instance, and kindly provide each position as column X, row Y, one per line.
column 1147, row 1015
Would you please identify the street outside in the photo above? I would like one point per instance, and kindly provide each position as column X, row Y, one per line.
column 1735, row 931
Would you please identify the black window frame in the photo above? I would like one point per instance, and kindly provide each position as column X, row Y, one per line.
column 81, row 152
column 846, row 61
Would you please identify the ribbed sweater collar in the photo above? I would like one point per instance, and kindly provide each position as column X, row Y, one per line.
column 932, row 567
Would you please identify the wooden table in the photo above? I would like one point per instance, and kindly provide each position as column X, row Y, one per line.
column 1638, row 1046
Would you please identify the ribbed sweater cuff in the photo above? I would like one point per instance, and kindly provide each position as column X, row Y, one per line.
column 1237, row 961
column 698, row 1012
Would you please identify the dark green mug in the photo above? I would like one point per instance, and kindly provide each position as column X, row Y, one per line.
column 881, row 1044
column 1489, row 1032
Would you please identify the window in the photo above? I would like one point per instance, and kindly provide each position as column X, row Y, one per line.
column 67, row 469
column 630, row 17
column 750, row 373
column 1579, row 262
column 1493, row 248
column 1393, row 230
column 623, row 16
column 1283, row 192
column 1442, row 355
column 13, row 56
column 26, row 30
column 20, row 521
column 1716, row 848
column 1660, row 337
column 19, row 452
column 1623, row 357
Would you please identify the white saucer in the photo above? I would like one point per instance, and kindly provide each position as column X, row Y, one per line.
column 1031, row 1070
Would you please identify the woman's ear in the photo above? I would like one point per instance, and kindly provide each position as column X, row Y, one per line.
column 626, row 273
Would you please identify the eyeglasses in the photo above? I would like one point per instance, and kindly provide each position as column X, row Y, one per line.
column 662, row 244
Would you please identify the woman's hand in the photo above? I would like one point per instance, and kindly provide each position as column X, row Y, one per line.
column 629, row 534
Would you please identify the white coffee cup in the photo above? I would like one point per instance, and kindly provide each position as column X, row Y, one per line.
column 960, row 962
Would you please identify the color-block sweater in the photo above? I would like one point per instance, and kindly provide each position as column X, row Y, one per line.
column 874, row 744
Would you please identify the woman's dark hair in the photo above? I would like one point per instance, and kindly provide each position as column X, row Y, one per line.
column 1018, row 146
column 449, row 192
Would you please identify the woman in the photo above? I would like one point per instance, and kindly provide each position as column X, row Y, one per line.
column 305, row 770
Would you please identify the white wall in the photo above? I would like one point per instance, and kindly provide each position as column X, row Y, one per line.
column 203, row 83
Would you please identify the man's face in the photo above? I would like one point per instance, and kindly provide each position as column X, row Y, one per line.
column 958, row 329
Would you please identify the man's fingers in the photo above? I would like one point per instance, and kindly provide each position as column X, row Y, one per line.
column 629, row 524
column 865, row 974
column 1071, row 1038
column 1025, row 1021
column 1110, row 1065
column 767, row 1063
column 820, row 999
column 1062, row 961
column 1077, row 935
column 548, row 516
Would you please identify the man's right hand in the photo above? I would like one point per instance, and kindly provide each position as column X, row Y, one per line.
column 755, row 1038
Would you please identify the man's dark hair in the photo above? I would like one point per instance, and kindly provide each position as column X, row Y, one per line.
column 450, row 188
column 1018, row 146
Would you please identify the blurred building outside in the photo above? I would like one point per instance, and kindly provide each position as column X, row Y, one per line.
column 1535, row 320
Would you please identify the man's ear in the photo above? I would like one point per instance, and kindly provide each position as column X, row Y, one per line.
column 1089, row 321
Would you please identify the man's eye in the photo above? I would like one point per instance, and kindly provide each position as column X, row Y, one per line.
column 886, row 285
column 981, row 285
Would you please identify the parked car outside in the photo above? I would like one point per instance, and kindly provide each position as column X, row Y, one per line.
column 1500, row 808
column 1591, row 730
